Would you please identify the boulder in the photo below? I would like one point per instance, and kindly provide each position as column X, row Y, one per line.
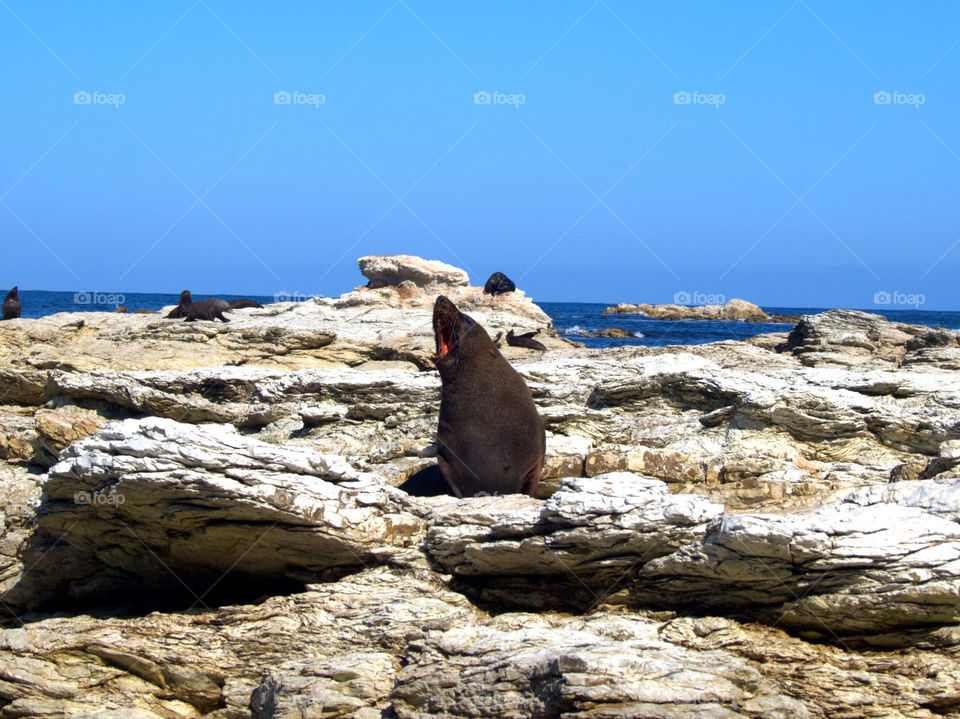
column 395, row 269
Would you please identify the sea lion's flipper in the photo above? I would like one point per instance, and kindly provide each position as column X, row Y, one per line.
column 220, row 316
column 428, row 482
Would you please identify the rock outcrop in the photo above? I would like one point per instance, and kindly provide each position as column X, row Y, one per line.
column 733, row 310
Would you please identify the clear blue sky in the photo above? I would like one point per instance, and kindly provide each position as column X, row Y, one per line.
column 694, row 197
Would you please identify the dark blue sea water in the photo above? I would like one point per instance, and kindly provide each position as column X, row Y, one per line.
column 570, row 318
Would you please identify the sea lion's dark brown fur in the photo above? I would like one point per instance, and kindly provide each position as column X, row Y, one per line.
column 525, row 340
column 498, row 284
column 181, row 309
column 11, row 305
column 241, row 304
column 211, row 309
column 490, row 439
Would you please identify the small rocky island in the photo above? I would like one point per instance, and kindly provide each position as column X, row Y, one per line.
column 202, row 520
column 738, row 310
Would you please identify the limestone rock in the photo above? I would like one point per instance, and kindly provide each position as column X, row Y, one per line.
column 402, row 268
column 587, row 537
column 859, row 567
column 172, row 502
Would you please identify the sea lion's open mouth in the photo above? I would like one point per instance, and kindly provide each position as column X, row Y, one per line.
column 446, row 327
column 446, row 337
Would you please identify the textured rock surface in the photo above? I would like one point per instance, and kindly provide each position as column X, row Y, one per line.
column 154, row 497
column 395, row 269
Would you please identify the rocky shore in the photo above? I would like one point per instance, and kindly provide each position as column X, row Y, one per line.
column 203, row 520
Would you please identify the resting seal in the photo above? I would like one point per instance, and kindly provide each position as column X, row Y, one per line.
column 240, row 304
column 525, row 340
column 11, row 305
column 490, row 439
column 498, row 284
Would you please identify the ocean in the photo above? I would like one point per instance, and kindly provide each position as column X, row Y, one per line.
column 571, row 319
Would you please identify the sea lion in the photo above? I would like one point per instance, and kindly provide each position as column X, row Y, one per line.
column 121, row 309
column 211, row 309
column 377, row 283
column 11, row 305
column 240, row 304
column 525, row 340
column 144, row 311
column 181, row 309
column 490, row 438
column 498, row 284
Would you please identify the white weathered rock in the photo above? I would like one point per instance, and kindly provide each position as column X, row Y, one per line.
column 859, row 567
column 407, row 268
column 158, row 498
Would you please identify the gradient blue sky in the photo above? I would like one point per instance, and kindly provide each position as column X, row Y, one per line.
column 692, row 197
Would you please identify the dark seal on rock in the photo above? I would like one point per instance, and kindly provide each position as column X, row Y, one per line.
column 11, row 305
column 241, row 304
column 498, row 284
column 376, row 283
column 181, row 309
column 490, row 439
column 211, row 309
column 525, row 340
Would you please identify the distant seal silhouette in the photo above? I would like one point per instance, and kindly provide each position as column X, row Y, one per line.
column 498, row 284
column 144, row 311
column 376, row 283
column 525, row 340
column 11, row 305
column 240, row 304
column 181, row 309
column 490, row 439
column 121, row 309
column 211, row 309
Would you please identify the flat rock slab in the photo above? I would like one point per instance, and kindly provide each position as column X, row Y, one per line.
column 859, row 567
column 588, row 537
column 166, row 501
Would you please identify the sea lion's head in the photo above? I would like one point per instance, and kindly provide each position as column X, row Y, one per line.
column 185, row 298
column 459, row 338
column 13, row 293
